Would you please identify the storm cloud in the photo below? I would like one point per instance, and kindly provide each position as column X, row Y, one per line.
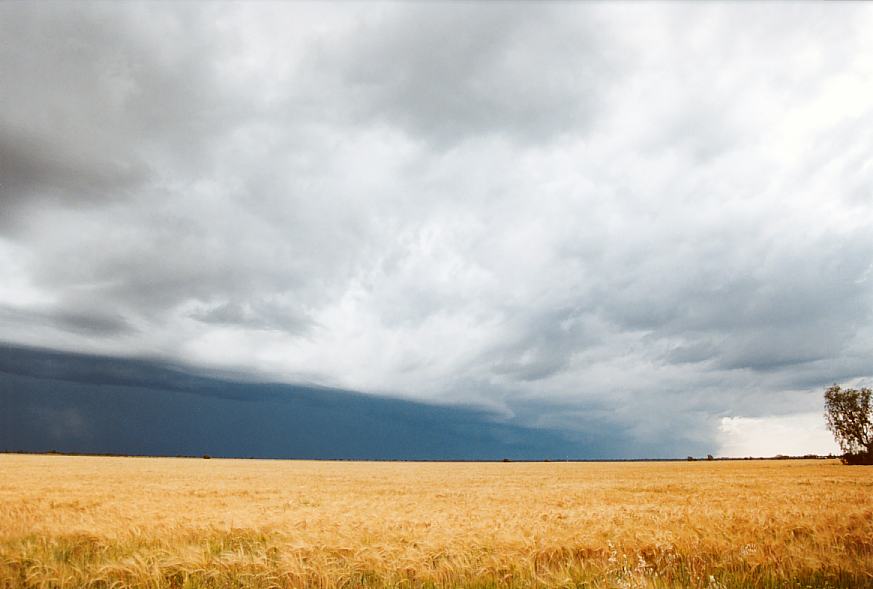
column 617, row 221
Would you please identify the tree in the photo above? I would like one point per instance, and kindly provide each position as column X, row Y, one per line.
column 848, row 413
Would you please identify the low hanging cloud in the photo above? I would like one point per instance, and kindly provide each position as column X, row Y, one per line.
column 793, row 435
column 621, row 221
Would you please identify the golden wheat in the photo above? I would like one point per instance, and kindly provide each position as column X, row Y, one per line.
column 171, row 522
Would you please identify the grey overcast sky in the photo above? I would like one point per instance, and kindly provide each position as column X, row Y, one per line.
column 648, row 220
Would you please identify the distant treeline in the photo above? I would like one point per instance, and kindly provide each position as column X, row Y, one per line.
column 208, row 456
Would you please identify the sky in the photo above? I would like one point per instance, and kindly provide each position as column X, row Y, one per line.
column 642, row 222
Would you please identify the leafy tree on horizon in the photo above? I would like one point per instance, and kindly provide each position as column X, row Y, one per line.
column 849, row 416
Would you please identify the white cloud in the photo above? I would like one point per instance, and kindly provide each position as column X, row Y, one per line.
column 789, row 435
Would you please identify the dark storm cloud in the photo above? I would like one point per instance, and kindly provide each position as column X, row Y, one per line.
column 544, row 346
column 99, row 102
column 629, row 221
column 88, row 322
column 32, row 169
column 795, row 301
column 530, row 73
column 257, row 315
column 73, row 403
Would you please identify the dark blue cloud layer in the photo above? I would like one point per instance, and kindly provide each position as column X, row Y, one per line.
column 90, row 404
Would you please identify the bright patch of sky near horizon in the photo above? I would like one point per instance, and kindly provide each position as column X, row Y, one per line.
column 791, row 435
column 651, row 220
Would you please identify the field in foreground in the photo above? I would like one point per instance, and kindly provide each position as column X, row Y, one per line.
column 169, row 522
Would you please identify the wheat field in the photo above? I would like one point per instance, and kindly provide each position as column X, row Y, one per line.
column 172, row 522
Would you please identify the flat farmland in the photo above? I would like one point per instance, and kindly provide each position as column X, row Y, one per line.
column 70, row 521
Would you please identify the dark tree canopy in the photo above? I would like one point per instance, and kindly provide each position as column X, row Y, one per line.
column 848, row 415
